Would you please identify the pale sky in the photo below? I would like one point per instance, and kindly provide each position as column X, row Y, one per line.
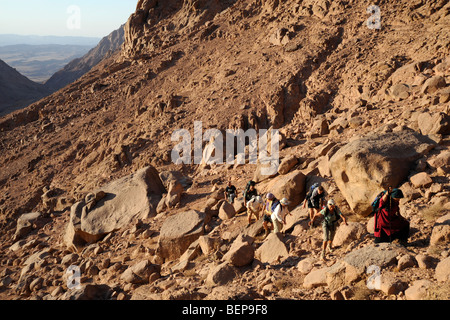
column 80, row 18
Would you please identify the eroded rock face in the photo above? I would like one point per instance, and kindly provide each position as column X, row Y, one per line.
column 365, row 166
column 192, row 13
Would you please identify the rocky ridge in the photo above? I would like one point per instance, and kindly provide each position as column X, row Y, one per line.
column 311, row 69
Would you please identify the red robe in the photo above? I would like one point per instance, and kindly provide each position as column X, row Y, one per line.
column 388, row 220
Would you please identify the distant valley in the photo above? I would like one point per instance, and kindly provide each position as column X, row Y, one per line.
column 39, row 62
column 31, row 71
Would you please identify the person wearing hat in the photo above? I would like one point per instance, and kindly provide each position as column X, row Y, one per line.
column 390, row 225
column 279, row 215
column 331, row 215
column 271, row 201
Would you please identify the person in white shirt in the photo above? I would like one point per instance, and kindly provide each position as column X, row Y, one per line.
column 279, row 215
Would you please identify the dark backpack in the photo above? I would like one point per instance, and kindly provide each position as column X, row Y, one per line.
column 311, row 189
column 376, row 202
column 275, row 203
column 247, row 187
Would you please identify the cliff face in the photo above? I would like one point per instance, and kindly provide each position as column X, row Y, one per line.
column 155, row 23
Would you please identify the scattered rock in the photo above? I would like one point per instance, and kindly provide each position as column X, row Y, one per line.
column 178, row 232
column 442, row 272
column 273, row 249
column 221, row 274
column 346, row 234
column 140, row 272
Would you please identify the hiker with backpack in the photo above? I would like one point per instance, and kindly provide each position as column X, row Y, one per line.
column 250, row 191
column 279, row 215
column 230, row 192
column 315, row 200
column 269, row 206
column 252, row 201
column 331, row 216
column 389, row 224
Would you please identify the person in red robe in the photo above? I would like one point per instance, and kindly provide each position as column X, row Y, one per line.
column 389, row 224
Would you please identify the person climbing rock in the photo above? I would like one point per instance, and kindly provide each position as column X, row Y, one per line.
column 279, row 215
column 389, row 224
column 230, row 192
column 271, row 202
column 315, row 200
column 331, row 216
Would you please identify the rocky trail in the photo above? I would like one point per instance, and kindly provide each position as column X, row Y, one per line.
column 88, row 184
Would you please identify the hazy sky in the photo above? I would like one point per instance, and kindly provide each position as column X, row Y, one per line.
column 90, row 18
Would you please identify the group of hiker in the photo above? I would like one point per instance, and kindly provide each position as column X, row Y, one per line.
column 389, row 224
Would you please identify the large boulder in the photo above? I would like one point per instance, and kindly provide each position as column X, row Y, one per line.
column 291, row 186
column 368, row 259
column 272, row 250
column 178, row 232
column 241, row 252
column 364, row 167
column 221, row 274
column 114, row 207
column 345, row 234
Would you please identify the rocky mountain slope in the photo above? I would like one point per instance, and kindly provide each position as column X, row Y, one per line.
column 357, row 108
column 78, row 67
column 16, row 90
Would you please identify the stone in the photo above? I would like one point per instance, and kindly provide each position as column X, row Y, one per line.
column 25, row 224
column 389, row 284
column 221, row 274
column 443, row 159
column 421, row 180
column 399, row 91
column 226, row 211
column 433, row 84
column 406, row 261
column 305, row 266
column 364, row 167
column 125, row 200
column 291, row 186
column 381, row 255
column 433, row 123
column 178, row 232
column 345, row 234
column 89, row 292
column 316, row 278
column 140, row 272
column 240, row 254
column 418, row 291
column 442, row 271
column 265, row 171
column 273, row 249
column 287, row 164
column 441, row 231
column 424, row 261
